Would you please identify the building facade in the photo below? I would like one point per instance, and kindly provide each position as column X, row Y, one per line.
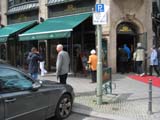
column 129, row 22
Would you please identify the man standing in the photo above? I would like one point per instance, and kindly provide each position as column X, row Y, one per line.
column 62, row 64
column 33, row 59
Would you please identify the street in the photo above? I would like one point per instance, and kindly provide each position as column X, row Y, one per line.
column 76, row 116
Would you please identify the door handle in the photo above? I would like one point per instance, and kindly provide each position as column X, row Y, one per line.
column 10, row 100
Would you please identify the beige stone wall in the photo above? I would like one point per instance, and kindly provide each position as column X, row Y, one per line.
column 139, row 12
column 43, row 11
column 3, row 4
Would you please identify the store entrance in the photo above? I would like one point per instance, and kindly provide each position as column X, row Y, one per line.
column 126, row 36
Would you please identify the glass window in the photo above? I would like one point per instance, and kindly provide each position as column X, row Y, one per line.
column 13, row 80
column 15, row 2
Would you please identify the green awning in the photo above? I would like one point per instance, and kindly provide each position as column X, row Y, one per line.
column 52, row 28
column 9, row 30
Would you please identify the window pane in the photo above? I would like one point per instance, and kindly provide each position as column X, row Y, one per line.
column 11, row 79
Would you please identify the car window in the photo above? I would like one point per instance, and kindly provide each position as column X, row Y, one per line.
column 13, row 80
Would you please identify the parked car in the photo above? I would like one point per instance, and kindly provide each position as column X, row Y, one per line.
column 22, row 98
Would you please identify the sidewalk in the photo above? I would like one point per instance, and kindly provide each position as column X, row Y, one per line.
column 128, row 102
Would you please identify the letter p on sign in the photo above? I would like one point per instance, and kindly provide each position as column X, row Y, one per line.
column 99, row 8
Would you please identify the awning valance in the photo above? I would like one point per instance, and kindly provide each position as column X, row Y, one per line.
column 12, row 29
column 52, row 28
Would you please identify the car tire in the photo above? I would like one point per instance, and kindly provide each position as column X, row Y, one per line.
column 64, row 107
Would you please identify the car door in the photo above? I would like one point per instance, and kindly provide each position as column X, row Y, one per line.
column 1, row 108
column 20, row 102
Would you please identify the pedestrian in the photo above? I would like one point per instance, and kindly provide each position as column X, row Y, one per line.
column 62, row 64
column 128, row 51
column 158, row 56
column 138, row 57
column 122, row 59
column 153, row 61
column 93, row 65
column 42, row 63
column 33, row 62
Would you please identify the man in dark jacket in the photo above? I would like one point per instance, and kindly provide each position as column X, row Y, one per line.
column 33, row 59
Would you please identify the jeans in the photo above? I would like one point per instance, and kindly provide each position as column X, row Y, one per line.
column 139, row 68
column 43, row 70
column 34, row 76
column 63, row 78
column 94, row 75
column 155, row 68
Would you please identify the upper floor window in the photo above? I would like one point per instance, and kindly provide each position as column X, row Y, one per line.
column 16, row 2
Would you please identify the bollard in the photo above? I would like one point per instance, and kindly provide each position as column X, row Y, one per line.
column 150, row 97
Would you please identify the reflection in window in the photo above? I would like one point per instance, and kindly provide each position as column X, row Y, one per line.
column 11, row 79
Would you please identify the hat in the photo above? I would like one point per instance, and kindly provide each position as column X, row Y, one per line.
column 93, row 51
column 139, row 44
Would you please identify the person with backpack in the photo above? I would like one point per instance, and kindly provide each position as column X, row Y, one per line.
column 153, row 61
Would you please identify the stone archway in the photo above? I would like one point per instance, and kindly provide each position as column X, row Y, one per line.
column 126, row 34
column 112, row 55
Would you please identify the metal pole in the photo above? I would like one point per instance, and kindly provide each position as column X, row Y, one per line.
column 150, row 97
column 99, row 64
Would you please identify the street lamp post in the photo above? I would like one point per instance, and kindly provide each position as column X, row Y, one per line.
column 99, row 64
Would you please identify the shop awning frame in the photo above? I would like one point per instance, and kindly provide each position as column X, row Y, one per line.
column 54, row 28
column 15, row 29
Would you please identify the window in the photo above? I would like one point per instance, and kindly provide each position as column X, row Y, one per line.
column 15, row 2
column 13, row 80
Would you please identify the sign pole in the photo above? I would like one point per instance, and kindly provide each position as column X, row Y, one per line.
column 99, row 64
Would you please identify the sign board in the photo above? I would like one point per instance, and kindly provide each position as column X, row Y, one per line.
column 99, row 8
column 100, row 14
column 99, row 18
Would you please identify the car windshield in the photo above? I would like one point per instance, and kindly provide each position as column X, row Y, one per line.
column 12, row 79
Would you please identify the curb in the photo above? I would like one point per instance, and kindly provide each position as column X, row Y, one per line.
column 99, row 115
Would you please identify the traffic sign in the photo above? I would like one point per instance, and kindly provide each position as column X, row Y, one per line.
column 99, row 18
column 99, row 8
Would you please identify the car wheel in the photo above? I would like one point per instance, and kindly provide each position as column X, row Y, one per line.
column 64, row 107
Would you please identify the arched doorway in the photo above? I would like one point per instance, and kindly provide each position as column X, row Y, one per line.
column 127, row 34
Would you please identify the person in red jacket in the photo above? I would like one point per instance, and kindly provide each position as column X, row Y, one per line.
column 93, row 65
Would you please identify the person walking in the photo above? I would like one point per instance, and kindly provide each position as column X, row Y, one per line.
column 122, row 59
column 153, row 61
column 62, row 64
column 33, row 62
column 158, row 56
column 138, row 57
column 93, row 65
column 42, row 63
column 128, row 51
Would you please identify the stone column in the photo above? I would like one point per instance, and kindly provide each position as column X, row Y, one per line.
column 4, row 7
column 43, row 9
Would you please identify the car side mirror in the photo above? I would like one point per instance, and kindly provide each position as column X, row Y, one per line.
column 36, row 86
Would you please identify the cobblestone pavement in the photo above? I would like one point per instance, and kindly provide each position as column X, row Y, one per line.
column 129, row 100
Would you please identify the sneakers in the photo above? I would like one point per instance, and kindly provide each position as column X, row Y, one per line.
column 142, row 74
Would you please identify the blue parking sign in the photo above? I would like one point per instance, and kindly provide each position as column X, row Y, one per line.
column 99, row 8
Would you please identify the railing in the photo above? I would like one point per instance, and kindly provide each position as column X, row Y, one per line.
column 108, row 85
